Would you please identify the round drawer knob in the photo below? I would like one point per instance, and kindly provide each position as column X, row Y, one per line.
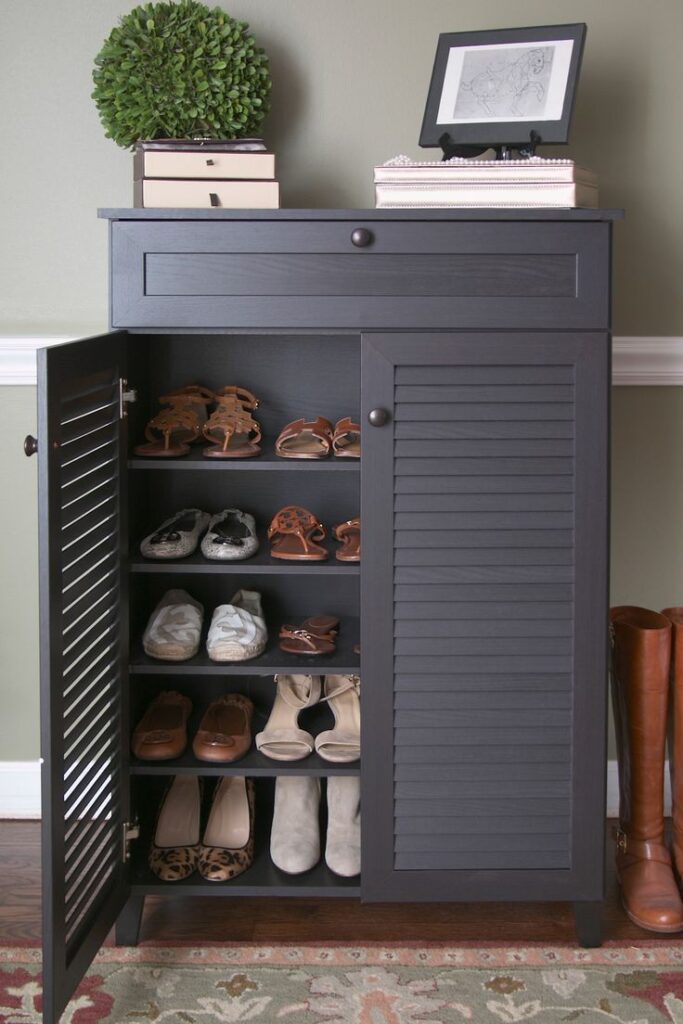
column 361, row 237
column 378, row 417
column 30, row 445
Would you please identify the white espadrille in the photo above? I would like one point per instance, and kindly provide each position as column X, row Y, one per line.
column 238, row 629
column 295, row 832
column 174, row 628
column 231, row 536
column 178, row 536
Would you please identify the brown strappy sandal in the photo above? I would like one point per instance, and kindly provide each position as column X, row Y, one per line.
column 298, row 640
column 349, row 534
column 346, row 439
column 234, row 431
column 295, row 531
column 171, row 432
column 305, row 439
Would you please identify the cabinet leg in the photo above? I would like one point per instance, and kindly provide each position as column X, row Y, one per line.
column 127, row 931
column 588, row 918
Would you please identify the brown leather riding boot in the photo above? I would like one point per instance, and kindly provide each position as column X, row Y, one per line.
column 641, row 655
column 675, row 616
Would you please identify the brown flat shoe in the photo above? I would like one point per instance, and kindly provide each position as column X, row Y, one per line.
column 231, row 428
column 349, row 535
column 161, row 733
column 171, row 432
column 224, row 733
column 294, row 533
column 346, row 439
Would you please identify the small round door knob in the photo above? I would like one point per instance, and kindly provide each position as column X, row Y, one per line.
column 30, row 445
column 361, row 237
column 378, row 417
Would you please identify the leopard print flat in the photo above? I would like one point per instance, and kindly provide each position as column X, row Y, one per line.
column 228, row 845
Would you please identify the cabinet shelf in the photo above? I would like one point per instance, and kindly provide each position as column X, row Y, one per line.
column 272, row 661
column 253, row 764
column 260, row 564
column 268, row 461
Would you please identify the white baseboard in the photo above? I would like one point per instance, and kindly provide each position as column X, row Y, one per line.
column 20, row 789
column 636, row 361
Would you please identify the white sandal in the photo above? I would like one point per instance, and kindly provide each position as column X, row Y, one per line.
column 282, row 739
column 342, row 743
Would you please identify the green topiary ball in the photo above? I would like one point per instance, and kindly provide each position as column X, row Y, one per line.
column 178, row 71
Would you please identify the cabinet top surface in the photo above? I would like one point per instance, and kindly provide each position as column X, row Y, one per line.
column 460, row 214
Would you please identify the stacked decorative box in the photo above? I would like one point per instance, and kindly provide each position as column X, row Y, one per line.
column 535, row 182
column 237, row 174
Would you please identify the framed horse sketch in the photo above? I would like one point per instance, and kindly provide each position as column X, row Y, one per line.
column 503, row 88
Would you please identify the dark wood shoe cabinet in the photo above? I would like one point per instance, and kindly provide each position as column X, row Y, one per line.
column 478, row 344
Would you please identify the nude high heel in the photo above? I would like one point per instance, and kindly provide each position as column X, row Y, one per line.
column 342, row 743
column 282, row 739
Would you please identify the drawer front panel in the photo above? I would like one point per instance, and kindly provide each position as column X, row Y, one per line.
column 195, row 275
column 484, row 643
column 158, row 164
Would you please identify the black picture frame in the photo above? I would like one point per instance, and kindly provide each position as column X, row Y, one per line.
column 519, row 114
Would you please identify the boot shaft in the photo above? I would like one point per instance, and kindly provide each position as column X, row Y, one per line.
column 641, row 658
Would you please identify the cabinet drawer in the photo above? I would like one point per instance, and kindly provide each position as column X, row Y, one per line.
column 171, row 192
column 272, row 274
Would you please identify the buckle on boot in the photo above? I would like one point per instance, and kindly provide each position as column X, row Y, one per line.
column 621, row 840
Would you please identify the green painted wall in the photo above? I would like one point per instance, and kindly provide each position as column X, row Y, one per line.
column 350, row 78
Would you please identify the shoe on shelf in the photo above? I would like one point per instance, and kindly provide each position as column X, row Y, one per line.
column 294, row 533
column 295, row 832
column 342, row 743
column 227, row 848
column 174, row 628
column 174, row 853
column 231, row 428
column 178, row 536
column 348, row 534
column 238, row 629
column 282, row 739
column 346, row 439
column 161, row 733
column 305, row 640
column 305, row 439
column 231, row 536
column 179, row 423
column 224, row 733
column 342, row 846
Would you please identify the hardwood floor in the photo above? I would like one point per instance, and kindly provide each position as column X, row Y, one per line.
column 197, row 921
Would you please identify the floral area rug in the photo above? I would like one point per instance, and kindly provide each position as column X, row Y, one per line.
column 359, row 985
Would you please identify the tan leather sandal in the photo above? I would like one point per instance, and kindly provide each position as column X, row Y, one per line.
column 294, row 532
column 171, row 432
column 305, row 439
column 346, row 439
column 231, row 427
column 299, row 640
column 349, row 535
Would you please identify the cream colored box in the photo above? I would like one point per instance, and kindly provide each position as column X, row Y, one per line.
column 207, row 164
column 236, row 195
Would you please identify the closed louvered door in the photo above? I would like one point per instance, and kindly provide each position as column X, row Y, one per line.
column 484, row 603
column 83, row 636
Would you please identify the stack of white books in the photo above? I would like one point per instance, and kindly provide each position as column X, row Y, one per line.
column 533, row 182
column 238, row 174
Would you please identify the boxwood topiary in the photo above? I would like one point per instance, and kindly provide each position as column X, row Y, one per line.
column 180, row 70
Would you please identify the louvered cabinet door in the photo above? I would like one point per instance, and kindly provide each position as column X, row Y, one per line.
column 484, row 606
column 83, row 636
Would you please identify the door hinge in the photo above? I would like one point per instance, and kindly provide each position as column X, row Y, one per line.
column 130, row 830
column 126, row 395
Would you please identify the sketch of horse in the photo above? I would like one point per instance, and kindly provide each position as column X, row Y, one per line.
column 492, row 87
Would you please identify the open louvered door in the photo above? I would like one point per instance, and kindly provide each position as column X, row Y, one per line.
column 83, row 636
column 484, row 606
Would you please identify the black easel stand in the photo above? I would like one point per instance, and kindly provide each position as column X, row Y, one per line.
column 503, row 151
